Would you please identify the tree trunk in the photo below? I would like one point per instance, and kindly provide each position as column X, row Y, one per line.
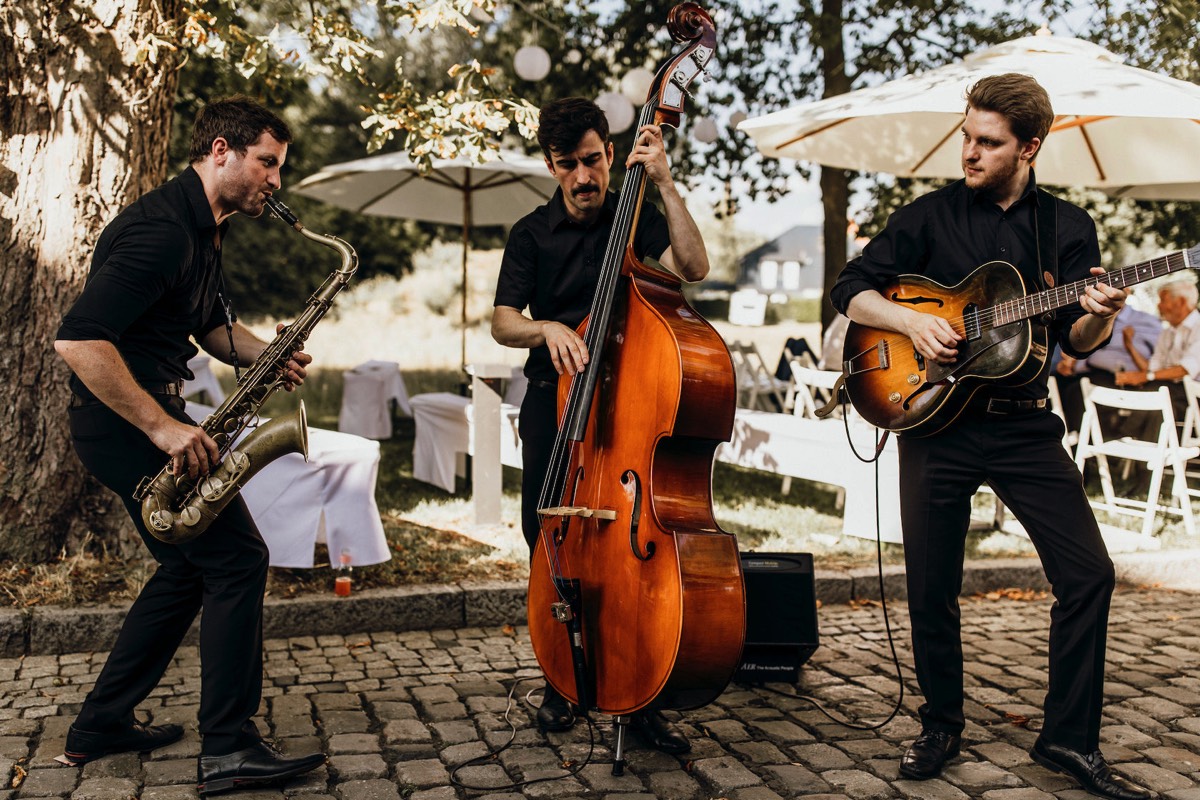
column 83, row 131
column 835, row 185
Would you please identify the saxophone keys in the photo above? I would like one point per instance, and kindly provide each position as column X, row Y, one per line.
column 189, row 516
column 210, row 488
column 161, row 520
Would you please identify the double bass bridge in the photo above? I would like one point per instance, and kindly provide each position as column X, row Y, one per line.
column 606, row 514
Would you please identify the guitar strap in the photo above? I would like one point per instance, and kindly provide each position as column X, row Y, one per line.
column 1045, row 234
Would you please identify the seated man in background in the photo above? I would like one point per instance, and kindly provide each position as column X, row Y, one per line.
column 1177, row 352
column 1134, row 332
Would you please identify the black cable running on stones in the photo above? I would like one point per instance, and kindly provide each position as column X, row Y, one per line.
column 490, row 756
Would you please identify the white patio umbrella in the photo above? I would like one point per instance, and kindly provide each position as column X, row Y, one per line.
column 453, row 192
column 1122, row 129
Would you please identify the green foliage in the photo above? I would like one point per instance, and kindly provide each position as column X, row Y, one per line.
column 799, row 309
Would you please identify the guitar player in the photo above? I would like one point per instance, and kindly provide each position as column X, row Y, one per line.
column 1006, row 435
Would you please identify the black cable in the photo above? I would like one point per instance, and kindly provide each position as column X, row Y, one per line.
column 882, row 601
column 491, row 755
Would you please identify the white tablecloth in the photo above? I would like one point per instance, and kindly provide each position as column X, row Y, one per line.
column 367, row 393
column 204, row 382
column 817, row 450
column 331, row 499
column 444, row 435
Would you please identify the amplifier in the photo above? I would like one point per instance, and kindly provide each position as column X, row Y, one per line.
column 781, row 616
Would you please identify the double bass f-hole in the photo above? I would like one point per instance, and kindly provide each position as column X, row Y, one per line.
column 633, row 487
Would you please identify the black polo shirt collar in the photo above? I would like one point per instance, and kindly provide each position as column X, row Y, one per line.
column 556, row 210
column 193, row 190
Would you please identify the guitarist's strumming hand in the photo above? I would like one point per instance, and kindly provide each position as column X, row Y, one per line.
column 933, row 337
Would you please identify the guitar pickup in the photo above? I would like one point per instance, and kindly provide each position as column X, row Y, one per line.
column 971, row 327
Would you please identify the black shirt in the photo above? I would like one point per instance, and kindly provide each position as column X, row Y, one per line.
column 153, row 283
column 552, row 265
column 945, row 235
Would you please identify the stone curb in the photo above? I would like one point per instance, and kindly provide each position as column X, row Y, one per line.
column 53, row 630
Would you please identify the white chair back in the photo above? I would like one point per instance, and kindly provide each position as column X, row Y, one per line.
column 757, row 386
column 814, row 387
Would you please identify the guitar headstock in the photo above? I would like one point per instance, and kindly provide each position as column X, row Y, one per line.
column 687, row 22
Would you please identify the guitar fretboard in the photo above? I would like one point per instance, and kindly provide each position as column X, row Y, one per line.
column 1042, row 302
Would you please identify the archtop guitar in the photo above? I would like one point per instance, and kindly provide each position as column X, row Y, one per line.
column 894, row 387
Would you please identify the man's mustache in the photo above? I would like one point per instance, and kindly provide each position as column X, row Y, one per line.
column 581, row 189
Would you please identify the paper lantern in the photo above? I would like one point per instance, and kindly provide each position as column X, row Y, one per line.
column 636, row 85
column 532, row 63
column 618, row 109
column 704, row 130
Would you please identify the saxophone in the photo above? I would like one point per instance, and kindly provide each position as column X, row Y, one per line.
column 178, row 509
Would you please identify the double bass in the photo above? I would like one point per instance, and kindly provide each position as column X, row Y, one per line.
column 635, row 593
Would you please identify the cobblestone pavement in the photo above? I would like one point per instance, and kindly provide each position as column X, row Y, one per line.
column 392, row 711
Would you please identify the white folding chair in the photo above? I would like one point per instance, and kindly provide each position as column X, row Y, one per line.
column 1190, row 433
column 1159, row 453
column 756, row 385
column 1070, row 438
column 812, row 388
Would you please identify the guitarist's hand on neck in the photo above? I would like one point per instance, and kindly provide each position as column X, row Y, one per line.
column 1102, row 304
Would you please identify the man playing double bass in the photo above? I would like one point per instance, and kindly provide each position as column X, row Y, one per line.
column 1006, row 436
column 551, row 265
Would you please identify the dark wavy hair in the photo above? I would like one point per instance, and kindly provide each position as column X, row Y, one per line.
column 239, row 121
column 563, row 123
column 1020, row 99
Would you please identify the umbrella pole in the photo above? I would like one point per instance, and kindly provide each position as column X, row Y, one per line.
column 466, row 243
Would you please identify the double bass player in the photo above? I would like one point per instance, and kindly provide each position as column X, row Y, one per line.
column 550, row 267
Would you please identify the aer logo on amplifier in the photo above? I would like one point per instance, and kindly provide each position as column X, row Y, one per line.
column 762, row 563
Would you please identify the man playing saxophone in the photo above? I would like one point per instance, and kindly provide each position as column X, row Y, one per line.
column 155, row 283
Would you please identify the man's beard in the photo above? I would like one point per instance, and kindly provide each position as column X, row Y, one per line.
column 995, row 179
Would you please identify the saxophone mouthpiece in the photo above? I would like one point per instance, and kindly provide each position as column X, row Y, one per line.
column 283, row 212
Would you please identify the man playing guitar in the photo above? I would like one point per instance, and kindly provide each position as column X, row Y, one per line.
column 1005, row 435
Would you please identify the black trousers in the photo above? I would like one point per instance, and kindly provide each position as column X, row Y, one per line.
column 537, row 427
column 223, row 571
column 1022, row 458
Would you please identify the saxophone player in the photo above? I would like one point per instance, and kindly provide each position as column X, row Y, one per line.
column 155, row 283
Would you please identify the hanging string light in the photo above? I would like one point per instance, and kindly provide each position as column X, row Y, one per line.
column 618, row 109
column 636, row 85
column 532, row 63
column 704, row 130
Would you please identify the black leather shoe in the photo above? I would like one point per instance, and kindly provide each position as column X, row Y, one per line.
column 928, row 754
column 85, row 746
column 1090, row 770
column 555, row 714
column 256, row 765
column 659, row 733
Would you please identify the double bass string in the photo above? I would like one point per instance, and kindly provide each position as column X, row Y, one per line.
column 555, row 486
